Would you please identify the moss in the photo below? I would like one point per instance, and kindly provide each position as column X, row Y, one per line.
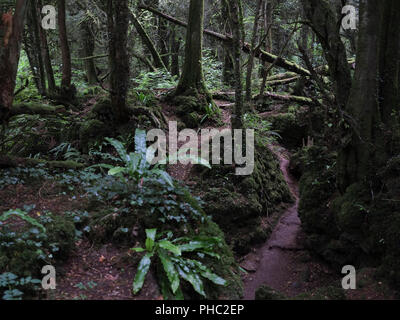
column 324, row 293
column 90, row 132
column 239, row 204
column 290, row 128
column 33, row 134
column 29, row 249
column 267, row 293
column 61, row 231
column 34, row 108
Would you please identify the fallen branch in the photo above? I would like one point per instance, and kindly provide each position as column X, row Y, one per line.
column 281, row 97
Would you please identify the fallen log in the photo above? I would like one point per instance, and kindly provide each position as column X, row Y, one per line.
column 282, row 97
column 274, row 83
column 33, row 108
column 259, row 53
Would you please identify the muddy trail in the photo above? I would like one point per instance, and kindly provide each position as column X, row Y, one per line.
column 282, row 263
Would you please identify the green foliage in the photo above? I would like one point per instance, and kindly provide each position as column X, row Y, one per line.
column 263, row 128
column 176, row 267
column 13, row 283
column 27, row 245
column 159, row 79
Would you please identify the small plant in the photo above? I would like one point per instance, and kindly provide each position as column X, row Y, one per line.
column 68, row 152
column 12, row 282
column 22, row 215
column 137, row 165
column 262, row 128
column 175, row 266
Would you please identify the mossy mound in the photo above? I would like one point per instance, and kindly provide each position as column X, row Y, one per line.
column 241, row 204
column 324, row 293
column 168, row 209
column 29, row 135
column 360, row 227
column 25, row 249
column 267, row 293
column 193, row 107
column 291, row 127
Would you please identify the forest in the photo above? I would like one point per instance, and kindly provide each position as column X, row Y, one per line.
column 199, row 150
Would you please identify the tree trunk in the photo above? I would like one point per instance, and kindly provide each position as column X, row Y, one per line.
column 192, row 75
column 158, row 62
column 33, row 46
column 46, row 57
column 175, row 48
column 88, row 45
column 237, row 35
column 65, row 52
column 268, row 16
column 118, row 20
column 324, row 23
column 11, row 29
column 372, row 95
column 228, row 77
column 250, row 63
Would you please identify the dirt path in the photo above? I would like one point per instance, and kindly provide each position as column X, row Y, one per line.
column 276, row 257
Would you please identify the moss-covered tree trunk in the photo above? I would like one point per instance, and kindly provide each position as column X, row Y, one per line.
column 192, row 78
column 236, row 21
column 324, row 23
column 118, row 20
column 250, row 63
column 11, row 27
column 373, row 95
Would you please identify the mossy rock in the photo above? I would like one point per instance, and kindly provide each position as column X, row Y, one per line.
column 240, row 203
column 291, row 128
column 30, row 248
column 61, row 231
column 324, row 293
column 267, row 293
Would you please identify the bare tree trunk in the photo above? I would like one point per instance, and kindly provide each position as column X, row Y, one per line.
column 268, row 17
column 175, row 48
column 88, row 46
column 46, row 57
column 11, row 29
column 65, row 52
column 118, row 20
